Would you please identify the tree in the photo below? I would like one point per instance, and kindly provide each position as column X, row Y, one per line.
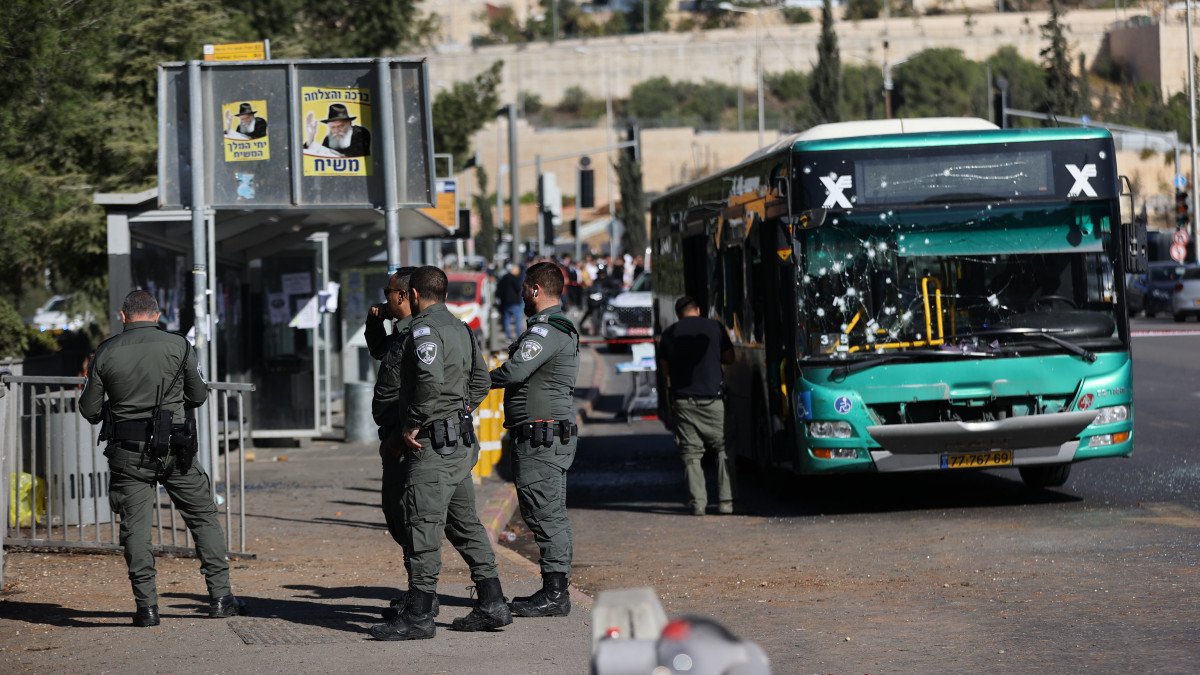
column 858, row 10
column 323, row 29
column 826, row 83
column 632, row 211
column 940, row 83
column 862, row 92
column 1062, row 95
column 1026, row 80
column 462, row 110
column 485, row 239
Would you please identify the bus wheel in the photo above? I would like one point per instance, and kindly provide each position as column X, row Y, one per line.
column 1053, row 475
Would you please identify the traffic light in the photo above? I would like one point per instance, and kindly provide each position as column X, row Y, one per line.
column 1182, row 217
column 547, row 218
column 587, row 188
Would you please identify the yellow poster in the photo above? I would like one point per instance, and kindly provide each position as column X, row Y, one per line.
column 245, row 131
column 337, row 131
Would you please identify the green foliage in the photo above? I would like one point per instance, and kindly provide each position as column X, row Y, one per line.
column 1026, row 81
column 939, row 83
column 659, row 98
column 658, row 16
column 323, row 29
column 462, row 110
column 796, row 15
column 826, row 84
column 532, row 103
column 1062, row 95
column 14, row 335
column 858, row 10
column 862, row 92
column 576, row 101
column 485, row 239
column 632, row 210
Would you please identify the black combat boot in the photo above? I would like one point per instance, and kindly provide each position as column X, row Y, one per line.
column 489, row 612
column 146, row 616
column 397, row 605
column 415, row 621
column 553, row 600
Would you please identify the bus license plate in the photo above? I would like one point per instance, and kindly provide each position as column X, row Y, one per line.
column 977, row 460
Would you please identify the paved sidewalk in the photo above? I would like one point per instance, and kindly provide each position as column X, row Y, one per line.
column 324, row 567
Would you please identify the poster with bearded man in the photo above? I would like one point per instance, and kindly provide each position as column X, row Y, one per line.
column 337, row 131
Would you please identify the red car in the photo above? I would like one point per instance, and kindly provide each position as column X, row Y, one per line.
column 467, row 297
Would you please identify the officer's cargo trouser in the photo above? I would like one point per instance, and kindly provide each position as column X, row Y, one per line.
column 700, row 424
column 133, row 492
column 540, row 475
column 439, row 496
column 392, row 495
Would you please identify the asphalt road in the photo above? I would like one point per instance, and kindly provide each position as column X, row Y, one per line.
column 921, row 572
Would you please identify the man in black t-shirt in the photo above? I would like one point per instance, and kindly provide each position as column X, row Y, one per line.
column 691, row 353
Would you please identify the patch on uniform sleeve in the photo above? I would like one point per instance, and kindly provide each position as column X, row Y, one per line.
column 530, row 349
column 540, row 330
column 426, row 351
column 421, row 332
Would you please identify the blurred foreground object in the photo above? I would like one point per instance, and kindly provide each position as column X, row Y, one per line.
column 632, row 636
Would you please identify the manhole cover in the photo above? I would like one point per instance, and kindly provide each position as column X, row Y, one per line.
column 300, row 631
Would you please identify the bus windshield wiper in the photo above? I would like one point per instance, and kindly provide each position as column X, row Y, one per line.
column 842, row 371
column 1046, row 333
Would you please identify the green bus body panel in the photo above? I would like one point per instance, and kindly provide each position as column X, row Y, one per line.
column 950, row 138
column 1108, row 380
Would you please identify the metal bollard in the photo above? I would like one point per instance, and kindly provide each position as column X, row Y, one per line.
column 360, row 426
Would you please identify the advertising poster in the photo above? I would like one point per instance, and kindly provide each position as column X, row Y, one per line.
column 246, row 131
column 337, row 131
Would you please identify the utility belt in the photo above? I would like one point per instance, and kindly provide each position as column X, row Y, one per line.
column 444, row 435
column 541, row 433
column 180, row 438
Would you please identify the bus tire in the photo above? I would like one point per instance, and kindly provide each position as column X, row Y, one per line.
column 1045, row 476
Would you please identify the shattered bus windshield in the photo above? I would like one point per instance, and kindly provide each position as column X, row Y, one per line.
column 941, row 281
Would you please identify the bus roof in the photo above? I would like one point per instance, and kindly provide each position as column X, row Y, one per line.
column 865, row 134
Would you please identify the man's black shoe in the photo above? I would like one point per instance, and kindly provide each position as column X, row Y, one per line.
column 552, row 600
column 225, row 607
column 415, row 621
column 146, row 616
column 490, row 611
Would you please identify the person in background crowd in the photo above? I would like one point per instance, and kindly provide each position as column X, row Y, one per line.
column 508, row 296
column 692, row 350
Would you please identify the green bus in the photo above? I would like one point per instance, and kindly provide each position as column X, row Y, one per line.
column 910, row 295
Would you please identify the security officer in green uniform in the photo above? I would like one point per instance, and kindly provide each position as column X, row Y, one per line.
column 143, row 370
column 385, row 404
column 445, row 378
column 538, row 381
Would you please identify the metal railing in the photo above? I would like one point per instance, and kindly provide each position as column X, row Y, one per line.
column 57, row 474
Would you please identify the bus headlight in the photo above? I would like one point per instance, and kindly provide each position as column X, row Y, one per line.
column 829, row 429
column 1112, row 414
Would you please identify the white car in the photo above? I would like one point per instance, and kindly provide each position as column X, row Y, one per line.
column 50, row 317
column 1186, row 301
column 627, row 317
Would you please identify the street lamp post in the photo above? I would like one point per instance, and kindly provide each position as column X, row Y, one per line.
column 757, row 55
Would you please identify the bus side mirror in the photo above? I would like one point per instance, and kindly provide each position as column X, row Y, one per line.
column 811, row 219
column 1133, row 232
column 1135, row 246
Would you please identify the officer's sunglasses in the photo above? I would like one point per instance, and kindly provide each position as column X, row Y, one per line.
column 387, row 291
